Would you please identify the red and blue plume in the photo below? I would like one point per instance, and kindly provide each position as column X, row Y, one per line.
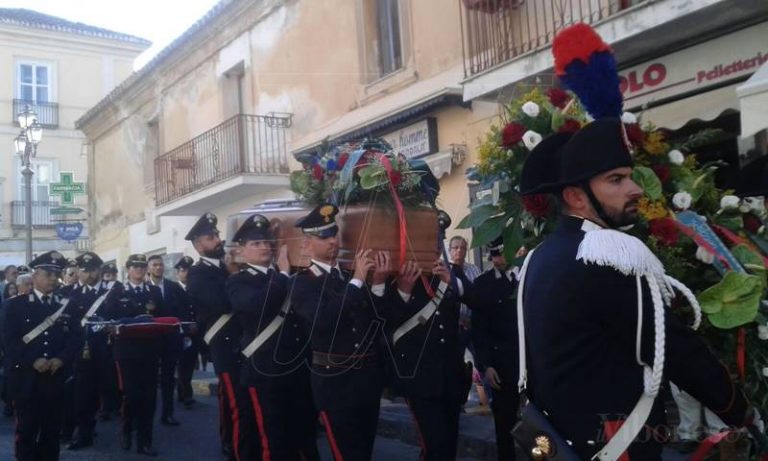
column 586, row 65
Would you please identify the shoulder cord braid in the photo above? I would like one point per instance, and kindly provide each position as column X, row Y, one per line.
column 652, row 375
column 685, row 291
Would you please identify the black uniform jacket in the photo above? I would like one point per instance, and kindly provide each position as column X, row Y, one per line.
column 61, row 340
column 429, row 358
column 257, row 299
column 82, row 298
column 206, row 289
column 344, row 329
column 581, row 327
column 494, row 324
column 125, row 302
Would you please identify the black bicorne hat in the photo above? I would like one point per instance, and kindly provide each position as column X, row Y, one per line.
column 753, row 178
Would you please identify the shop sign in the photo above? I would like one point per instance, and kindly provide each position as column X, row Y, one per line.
column 712, row 63
column 414, row 140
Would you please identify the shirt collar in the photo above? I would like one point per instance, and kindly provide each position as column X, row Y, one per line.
column 213, row 261
column 326, row 267
column 40, row 294
column 183, row 285
column 261, row 269
column 132, row 286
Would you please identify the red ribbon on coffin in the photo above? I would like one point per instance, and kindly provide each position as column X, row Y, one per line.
column 401, row 220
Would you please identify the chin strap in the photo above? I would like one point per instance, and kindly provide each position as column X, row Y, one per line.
column 597, row 206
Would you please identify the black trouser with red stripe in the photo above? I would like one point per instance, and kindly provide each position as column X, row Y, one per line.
column 39, row 415
column 285, row 417
column 138, row 381
column 236, row 420
column 437, row 421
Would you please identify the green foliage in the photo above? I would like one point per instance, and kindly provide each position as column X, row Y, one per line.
column 733, row 302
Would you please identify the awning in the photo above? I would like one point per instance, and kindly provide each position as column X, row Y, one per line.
column 753, row 100
column 440, row 163
column 705, row 107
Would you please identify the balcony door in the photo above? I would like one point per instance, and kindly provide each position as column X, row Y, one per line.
column 34, row 82
column 43, row 176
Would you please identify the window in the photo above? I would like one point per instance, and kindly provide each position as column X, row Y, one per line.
column 42, row 177
column 382, row 28
column 388, row 22
column 34, row 82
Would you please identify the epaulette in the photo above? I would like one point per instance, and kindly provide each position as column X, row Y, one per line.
column 623, row 252
column 252, row 271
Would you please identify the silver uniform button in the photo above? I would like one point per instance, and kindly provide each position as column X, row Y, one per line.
column 357, row 345
column 442, row 340
column 402, row 355
column 441, row 326
column 437, row 313
column 45, row 343
column 297, row 340
column 226, row 338
column 45, row 333
column 45, row 355
column 354, row 330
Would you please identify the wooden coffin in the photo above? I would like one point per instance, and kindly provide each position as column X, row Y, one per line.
column 360, row 227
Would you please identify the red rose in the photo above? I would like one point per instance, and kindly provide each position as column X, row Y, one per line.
column 558, row 97
column 662, row 171
column 537, row 205
column 752, row 224
column 512, row 134
column 570, row 126
column 395, row 178
column 635, row 134
column 343, row 161
column 665, row 231
column 317, row 172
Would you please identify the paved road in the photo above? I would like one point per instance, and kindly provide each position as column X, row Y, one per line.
column 195, row 440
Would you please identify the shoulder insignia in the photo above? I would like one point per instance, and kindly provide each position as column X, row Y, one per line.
column 623, row 252
column 252, row 271
column 31, row 298
column 316, row 270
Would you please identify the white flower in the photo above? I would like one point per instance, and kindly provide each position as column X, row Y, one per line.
column 676, row 157
column 629, row 118
column 756, row 204
column 531, row 139
column 531, row 109
column 682, row 200
column 762, row 332
column 729, row 202
column 704, row 256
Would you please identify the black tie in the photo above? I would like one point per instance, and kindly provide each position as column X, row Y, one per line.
column 335, row 274
column 46, row 300
column 137, row 290
column 270, row 272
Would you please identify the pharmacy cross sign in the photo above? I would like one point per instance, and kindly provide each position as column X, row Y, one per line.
column 66, row 188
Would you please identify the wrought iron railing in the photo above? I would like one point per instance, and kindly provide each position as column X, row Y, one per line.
column 496, row 31
column 242, row 144
column 47, row 112
column 41, row 214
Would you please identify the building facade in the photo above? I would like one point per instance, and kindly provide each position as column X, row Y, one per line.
column 58, row 69
column 214, row 122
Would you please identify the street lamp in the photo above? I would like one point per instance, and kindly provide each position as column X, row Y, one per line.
column 26, row 148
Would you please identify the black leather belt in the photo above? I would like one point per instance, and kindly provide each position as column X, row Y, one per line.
column 323, row 359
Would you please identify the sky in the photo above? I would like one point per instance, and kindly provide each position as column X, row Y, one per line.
column 159, row 21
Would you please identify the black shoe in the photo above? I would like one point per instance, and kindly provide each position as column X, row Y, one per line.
column 169, row 421
column 146, row 451
column 80, row 443
column 189, row 403
column 125, row 441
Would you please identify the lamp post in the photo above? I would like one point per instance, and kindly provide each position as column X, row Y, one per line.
column 26, row 148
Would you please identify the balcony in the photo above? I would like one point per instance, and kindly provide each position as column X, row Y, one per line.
column 41, row 215
column 508, row 42
column 47, row 112
column 246, row 150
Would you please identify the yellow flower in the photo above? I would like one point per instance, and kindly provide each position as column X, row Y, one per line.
column 651, row 210
column 488, row 154
column 654, row 143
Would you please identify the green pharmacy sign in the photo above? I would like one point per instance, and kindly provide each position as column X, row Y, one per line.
column 67, row 188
